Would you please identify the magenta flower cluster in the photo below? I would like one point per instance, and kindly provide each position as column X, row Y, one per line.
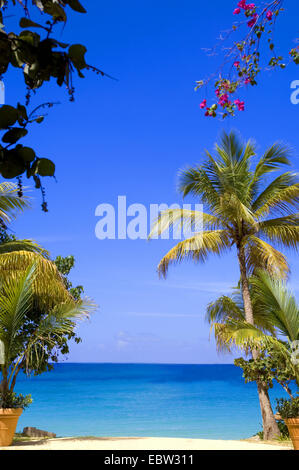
column 250, row 12
column 225, row 88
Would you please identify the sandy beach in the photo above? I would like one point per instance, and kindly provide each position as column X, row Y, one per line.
column 142, row 443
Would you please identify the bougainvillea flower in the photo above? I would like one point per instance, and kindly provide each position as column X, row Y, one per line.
column 223, row 99
column 203, row 104
column 269, row 15
column 250, row 6
column 252, row 22
column 237, row 11
column 240, row 105
column 237, row 64
column 242, row 4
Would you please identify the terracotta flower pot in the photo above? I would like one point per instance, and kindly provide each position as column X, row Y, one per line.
column 293, row 427
column 8, row 422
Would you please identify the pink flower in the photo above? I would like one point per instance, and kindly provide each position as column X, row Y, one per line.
column 242, row 4
column 203, row 104
column 252, row 22
column 207, row 113
column 250, row 6
column 240, row 105
column 269, row 15
column 217, row 92
column 223, row 99
column 236, row 11
column 237, row 64
column 247, row 81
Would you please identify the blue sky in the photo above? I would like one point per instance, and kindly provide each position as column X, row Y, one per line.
column 130, row 137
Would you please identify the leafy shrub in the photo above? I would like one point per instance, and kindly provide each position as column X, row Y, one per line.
column 12, row 400
column 288, row 408
column 284, row 432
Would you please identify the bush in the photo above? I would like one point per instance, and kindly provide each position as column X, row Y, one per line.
column 288, row 408
column 12, row 400
column 284, row 432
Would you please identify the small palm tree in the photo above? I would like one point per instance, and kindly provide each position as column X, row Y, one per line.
column 242, row 212
column 273, row 301
column 16, row 303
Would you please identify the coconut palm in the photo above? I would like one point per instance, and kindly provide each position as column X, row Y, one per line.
column 16, row 303
column 271, row 299
column 242, row 212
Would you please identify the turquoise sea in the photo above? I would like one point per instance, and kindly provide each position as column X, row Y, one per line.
column 195, row 401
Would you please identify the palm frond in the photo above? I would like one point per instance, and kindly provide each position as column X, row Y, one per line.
column 281, row 195
column 22, row 245
column 261, row 255
column 15, row 302
column 196, row 248
column 282, row 230
column 48, row 285
column 10, row 202
column 176, row 219
column 273, row 296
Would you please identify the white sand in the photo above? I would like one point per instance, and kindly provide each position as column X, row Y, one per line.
column 141, row 443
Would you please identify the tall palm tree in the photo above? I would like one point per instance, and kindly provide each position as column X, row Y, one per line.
column 242, row 212
column 16, row 303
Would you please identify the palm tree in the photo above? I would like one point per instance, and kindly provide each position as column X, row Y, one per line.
column 16, row 303
column 241, row 212
column 273, row 301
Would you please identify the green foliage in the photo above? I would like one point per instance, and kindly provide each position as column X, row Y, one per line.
column 283, row 429
column 40, row 58
column 288, row 408
column 270, row 366
column 64, row 265
column 12, row 400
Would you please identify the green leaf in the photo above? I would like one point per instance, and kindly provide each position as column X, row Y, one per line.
column 39, row 119
column 55, row 10
column 45, row 167
column 8, row 116
column 12, row 166
column 76, row 54
column 13, row 135
column 27, row 23
column 26, row 154
column 76, row 6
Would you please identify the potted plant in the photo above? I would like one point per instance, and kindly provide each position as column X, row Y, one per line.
column 289, row 412
column 11, row 408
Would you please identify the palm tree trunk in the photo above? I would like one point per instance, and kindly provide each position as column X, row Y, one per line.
column 270, row 426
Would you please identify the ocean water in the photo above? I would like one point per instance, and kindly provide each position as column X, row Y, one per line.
column 193, row 401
